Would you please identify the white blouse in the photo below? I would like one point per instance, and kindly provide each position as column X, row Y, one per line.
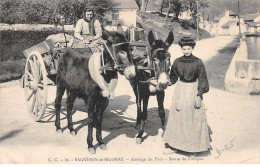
column 83, row 26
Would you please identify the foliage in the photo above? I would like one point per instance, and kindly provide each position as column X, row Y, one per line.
column 42, row 12
column 139, row 3
column 176, row 6
column 10, row 69
column 13, row 43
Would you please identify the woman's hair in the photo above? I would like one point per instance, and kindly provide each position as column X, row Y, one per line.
column 187, row 41
column 87, row 9
column 91, row 22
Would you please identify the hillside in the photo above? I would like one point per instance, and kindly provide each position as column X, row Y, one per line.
column 217, row 7
column 158, row 24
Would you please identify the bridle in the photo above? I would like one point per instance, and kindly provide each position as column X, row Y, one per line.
column 153, row 69
column 113, row 53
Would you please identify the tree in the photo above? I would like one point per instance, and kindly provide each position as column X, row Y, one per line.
column 38, row 11
column 144, row 5
column 192, row 5
column 139, row 4
column 100, row 7
column 173, row 6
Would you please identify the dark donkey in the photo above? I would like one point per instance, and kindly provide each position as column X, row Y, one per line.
column 154, row 82
column 73, row 76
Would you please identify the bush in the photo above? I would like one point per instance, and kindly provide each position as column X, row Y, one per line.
column 13, row 43
column 185, row 24
column 10, row 70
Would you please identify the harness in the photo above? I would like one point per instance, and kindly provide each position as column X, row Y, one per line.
column 113, row 53
column 153, row 69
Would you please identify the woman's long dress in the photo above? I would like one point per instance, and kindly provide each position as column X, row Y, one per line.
column 187, row 129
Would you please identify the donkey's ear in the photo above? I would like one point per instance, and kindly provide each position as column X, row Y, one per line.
column 169, row 39
column 120, row 30
column 151, row 38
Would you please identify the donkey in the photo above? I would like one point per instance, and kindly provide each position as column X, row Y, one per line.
column 73, row 75
column 153, row 83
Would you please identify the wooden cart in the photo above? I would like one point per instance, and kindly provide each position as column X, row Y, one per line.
column 41, row 64
column 41, row 67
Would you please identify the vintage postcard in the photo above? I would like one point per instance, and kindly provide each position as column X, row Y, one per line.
column 129, row 82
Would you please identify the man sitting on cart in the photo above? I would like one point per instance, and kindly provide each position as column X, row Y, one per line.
column 88, row 31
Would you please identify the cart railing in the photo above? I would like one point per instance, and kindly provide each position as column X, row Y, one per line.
column 43, row 47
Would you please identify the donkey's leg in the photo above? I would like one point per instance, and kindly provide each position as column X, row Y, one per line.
column 100, row 108
column 70, row 101
column 59, row 93
column 139, row 112
column 138, row 97
column 160, row 100
column 91, row 109
column 143, row 119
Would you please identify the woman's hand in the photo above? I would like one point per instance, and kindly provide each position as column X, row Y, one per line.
column 178, row 105
column 170, row 83
column 198, row 102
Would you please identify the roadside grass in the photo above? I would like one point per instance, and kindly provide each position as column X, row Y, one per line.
column 11, row 69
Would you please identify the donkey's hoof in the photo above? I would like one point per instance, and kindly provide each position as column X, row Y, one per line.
column 91, row 150
column 103, row 147
column 73, row 133
column 59, row 131
column 138, row 140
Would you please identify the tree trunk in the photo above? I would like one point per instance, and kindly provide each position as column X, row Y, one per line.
column 144, row 5
column 177, row 10
column 161, row 6
column 138, row 4
column 168, row 11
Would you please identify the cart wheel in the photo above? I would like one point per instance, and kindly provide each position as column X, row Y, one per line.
column 35, row 85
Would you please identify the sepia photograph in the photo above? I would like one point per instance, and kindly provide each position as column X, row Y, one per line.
column 129, row 82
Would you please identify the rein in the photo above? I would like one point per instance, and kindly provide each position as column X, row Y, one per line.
column 148, row 81
column 153, row 69
column 119, row 67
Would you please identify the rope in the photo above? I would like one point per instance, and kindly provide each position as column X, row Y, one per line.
column 147, row 81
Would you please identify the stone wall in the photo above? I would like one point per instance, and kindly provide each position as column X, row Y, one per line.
column 243, row 75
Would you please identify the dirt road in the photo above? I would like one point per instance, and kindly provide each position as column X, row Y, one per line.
column 233, row 118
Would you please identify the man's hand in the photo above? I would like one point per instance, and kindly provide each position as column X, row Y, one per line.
column 198, row 102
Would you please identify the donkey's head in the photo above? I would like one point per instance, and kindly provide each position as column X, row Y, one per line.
column 161, row 58
column 120, row 52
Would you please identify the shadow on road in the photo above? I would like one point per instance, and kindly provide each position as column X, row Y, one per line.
column 116, row 120
column 217, row 66
column 11, row 134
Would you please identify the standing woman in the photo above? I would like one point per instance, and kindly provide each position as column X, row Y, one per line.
column 187, row 127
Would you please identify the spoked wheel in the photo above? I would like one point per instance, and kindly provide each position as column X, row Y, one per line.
column 35, row 85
